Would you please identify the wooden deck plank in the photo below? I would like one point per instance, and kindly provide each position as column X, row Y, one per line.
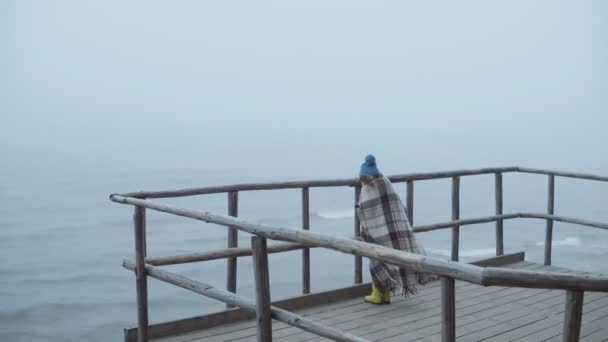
column 425, row 294
column 353, row 303
column 591, row 312
column 483, row 313
column 484, row 326
column 414, row 312
column 466, row 296
column 319, row 313
column 513, row 330
column 226, row 328
column 599, row 335
column 415, row 308
column 466, row 290
column 535, row 319
column 594, row 320
column 506, row 309
column 361, row 309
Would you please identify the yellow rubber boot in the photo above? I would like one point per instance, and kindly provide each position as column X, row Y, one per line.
column 376, row 297
column 386, row 296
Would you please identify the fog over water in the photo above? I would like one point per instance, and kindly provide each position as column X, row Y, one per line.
column 104, row 97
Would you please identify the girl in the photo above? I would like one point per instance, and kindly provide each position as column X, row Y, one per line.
column 384, row 222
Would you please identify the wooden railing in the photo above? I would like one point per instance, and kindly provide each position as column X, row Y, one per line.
column 575, row 285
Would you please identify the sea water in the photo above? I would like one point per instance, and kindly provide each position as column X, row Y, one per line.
column 62, row 243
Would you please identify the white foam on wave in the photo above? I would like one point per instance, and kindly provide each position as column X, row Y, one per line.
column 568, row 241
column 598, row 246
column 337, row 214
column 467, row 253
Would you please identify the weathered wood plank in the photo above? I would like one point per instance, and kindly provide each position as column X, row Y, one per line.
column 470, row 298
column 305, row 251
column 141, row 281
column 262, row 289
column 428, row 297
column 455, row 216
column 541, row 331
column 311, row 183
column 239, row 319
column 357, row 227
column 587, row 223
column 355, row 314
column 501, row 260
column 474, row 274
column 420, row 321
column 485, row 317
column 537, row 314
column 199, row 327
column 448, row 310
column 233, row 241
column 547, row 280
column 598, row 335
column 480, row 320
column 500, row 249
column 550, row 211
column 410, row 202
column 221, row 254
column 468, row 311
column 542, row 318
column 464, row 222
column 245, row 303
column 573, row 316
column 472, row 326
column 472, row 303
column 413, row 261
column 424, row 310
column 310, row 305
column 565, row 174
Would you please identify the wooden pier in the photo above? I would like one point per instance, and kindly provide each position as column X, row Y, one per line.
column 504, row 298
column 482, row 313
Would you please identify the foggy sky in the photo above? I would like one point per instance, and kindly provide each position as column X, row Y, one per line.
column 302, row 88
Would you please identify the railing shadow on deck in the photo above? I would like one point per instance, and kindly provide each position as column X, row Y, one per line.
column 575, row 285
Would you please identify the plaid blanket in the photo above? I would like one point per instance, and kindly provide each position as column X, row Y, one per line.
column 384, row 222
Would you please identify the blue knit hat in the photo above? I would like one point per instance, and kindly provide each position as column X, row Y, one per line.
column 369, row 168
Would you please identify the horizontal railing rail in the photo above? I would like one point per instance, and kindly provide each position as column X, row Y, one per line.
column 565, row 219
column 286, row 247
column 458, row 270
column 577, row 175
column 354, row 181
column 220, row 254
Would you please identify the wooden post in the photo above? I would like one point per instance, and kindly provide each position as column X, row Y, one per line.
column 448, row 310
column 410, row 202
column 500, row 248
column 233, row 241
column 455, row 216
column 305, row 251
column 144, row 238
column 550, row 211
column 358, row 258
column 573, row 316
column 141, row 281
column 262, row 288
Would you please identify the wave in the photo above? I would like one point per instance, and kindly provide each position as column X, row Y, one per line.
column 324, row 215
column 468, row 253
column 336, row 214
column 66, row 310
column 55, row 309
column 568, row 241
column 75, row 279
